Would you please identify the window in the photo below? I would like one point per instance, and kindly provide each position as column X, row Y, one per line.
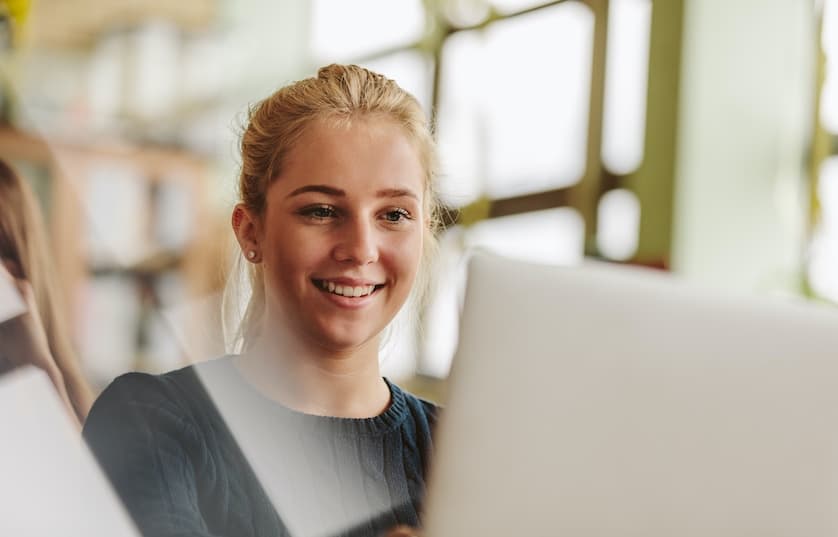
column 823, row 256
column 517, row 89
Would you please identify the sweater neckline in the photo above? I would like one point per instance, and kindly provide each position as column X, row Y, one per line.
column 384, row 422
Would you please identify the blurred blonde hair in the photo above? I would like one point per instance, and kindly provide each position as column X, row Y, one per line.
column 339, row 93
column 23, row 242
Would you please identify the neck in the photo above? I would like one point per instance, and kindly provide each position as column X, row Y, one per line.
column 317, row 381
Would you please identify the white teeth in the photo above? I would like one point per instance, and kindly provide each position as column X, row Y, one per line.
column 346, row 290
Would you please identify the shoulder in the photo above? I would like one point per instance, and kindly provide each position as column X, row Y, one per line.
column 177, row 399
column 139, row 415
column 421, row 410
column 423, row 406
column 146, row 390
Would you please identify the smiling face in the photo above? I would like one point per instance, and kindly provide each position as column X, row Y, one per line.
column 342, row 231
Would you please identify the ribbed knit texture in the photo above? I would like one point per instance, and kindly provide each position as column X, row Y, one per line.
column 167, row 444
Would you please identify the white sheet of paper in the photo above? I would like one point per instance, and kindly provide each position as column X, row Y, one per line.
column 51, row 483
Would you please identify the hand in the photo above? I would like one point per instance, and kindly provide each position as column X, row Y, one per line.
column 23, row 340
column 403, row 531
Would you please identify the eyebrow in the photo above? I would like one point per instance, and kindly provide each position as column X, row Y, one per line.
column 323, row 189
column 337, row 192
column 396, row 193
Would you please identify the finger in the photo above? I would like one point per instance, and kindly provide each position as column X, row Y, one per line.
column 402, row 531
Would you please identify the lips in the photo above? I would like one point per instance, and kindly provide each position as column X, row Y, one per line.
column 347, row 289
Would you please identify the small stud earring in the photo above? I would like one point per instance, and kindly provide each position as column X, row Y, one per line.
column 251, row 255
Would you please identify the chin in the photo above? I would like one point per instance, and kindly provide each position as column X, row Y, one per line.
column 344, row 341
column 342, row 346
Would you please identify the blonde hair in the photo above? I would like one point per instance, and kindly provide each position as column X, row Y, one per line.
column 23, row 243
column 339, row 93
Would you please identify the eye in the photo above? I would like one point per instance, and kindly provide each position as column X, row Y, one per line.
column 319, row 212
column 396, row 215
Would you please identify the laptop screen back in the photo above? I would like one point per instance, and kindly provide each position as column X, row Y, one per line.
column 602, row 401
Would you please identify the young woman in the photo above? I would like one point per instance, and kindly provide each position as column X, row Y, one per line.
column 39, row 337
column 298, row 434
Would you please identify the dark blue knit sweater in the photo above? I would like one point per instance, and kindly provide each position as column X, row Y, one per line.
column 167, row 444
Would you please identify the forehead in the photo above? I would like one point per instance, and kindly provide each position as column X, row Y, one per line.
column 372, row 152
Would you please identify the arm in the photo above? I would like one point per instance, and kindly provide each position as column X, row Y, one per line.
column 150, row 451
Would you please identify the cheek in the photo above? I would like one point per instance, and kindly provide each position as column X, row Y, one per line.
column 285, row 258
column 407, row 254
column 286, row 246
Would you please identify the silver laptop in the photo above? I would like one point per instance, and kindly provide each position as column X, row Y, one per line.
column 605, row 401
column 50, row 484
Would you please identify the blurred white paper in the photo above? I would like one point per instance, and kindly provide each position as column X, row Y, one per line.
column 51, row 483
column 11, row 304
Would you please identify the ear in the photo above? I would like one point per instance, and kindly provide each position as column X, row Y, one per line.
column 246, row 226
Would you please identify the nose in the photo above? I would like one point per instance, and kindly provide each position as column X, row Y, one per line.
column 357, row 243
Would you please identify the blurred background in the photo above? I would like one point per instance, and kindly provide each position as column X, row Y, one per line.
column 696, row 136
